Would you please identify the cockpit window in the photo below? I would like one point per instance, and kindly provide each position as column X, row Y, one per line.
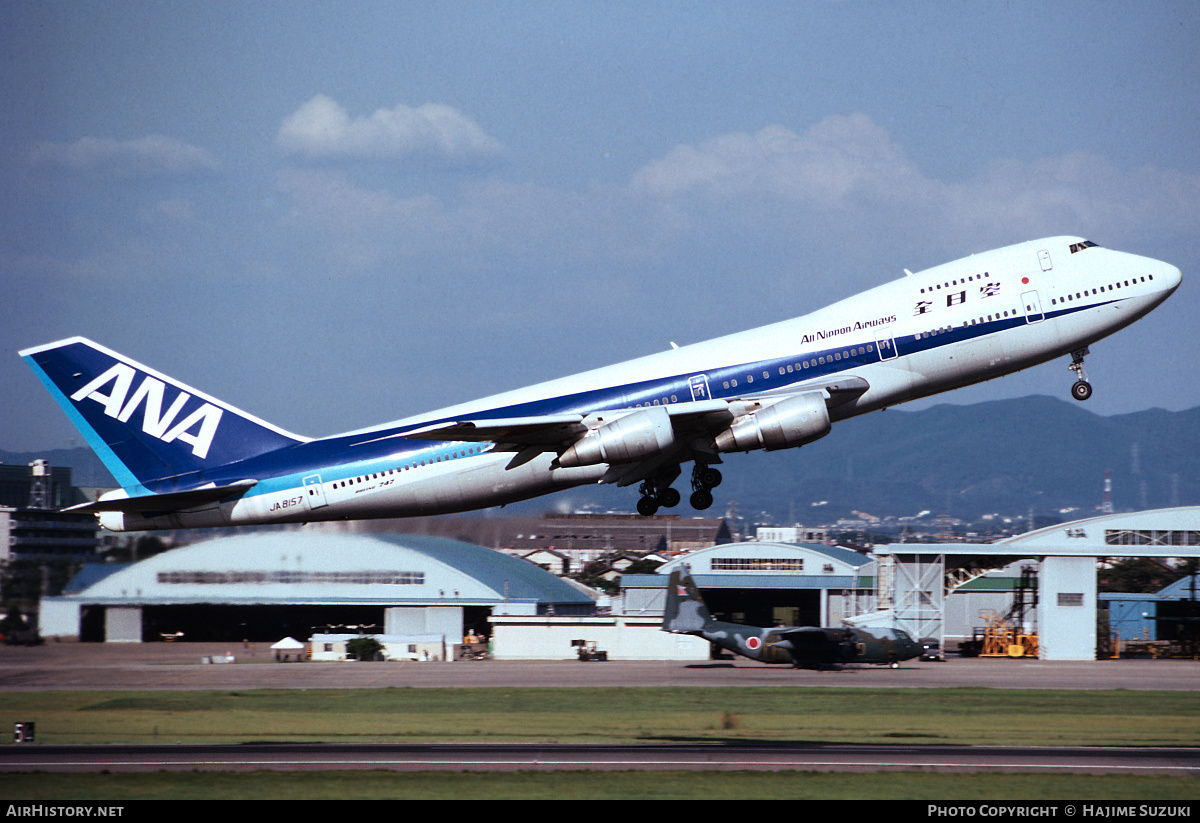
column 1086, row 244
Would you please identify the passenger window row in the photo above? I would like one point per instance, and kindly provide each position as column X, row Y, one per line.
column 1079, row 295
column 791, row 368
column 1000, row 315
column 363, row 478
column 960, row 281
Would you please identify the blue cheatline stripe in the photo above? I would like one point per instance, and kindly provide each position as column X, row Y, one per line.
column 108, row 457
column 285, row 466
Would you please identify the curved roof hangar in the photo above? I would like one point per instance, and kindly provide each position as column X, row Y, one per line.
column 289, row 567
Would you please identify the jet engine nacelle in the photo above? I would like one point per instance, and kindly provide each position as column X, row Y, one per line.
column 793, row 421
column 624, row 440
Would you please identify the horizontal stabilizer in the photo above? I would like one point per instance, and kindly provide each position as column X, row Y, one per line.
column 169, row 502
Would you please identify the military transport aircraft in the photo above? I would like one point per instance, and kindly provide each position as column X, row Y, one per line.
column 187, row 460
column 803, row 647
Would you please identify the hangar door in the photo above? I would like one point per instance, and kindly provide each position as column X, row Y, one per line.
column 261, row 623
column 765, row 607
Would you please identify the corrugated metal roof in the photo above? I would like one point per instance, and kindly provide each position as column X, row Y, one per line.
column 504, row 574
column 92, row 574
column 1180, row 589
column 746, row 581
column 315, row 567
column 849, row 556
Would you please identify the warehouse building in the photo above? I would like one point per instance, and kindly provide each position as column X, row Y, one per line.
column 762, row 583
column 767, row 583
column 921, row 581
column 568, row 542
column 266, row 586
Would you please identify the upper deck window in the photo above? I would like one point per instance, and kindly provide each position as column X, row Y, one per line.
column 1086, row 244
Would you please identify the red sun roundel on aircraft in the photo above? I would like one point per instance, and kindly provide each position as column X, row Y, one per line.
column 753, row 643
column 1024, row 281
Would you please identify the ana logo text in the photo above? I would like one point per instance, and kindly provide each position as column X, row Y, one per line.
column 197, row 429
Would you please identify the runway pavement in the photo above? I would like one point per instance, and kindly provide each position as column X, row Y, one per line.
column 87, row 666
column 542, row 757
column 80, row 666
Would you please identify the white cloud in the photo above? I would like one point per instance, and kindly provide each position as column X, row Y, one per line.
column 151, row 155
column 173, row 210
column 321, row 128
column 842, row 194
column 838, row 157
column 850, row 165
column 482, row 224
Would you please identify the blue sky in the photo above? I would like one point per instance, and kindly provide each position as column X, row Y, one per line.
column 335, row 215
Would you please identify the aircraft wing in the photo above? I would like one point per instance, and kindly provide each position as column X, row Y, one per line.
column 691, row 421
column 711, row 416
column 815, row 636
column 553, row 429
column 818, row 645
column 842, row 391
column 168, row 502
column 547, row 430
column 696, row 423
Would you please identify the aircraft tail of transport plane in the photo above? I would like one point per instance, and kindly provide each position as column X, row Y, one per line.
column 187, row 460
column 801, row 646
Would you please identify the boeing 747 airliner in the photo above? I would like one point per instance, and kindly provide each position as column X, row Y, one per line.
column 187, row 460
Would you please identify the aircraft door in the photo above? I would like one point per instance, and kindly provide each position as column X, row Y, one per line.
column 314, row 492
column 699, row 386
column 885, row 344
column 1033, row 307
column 1044, row 259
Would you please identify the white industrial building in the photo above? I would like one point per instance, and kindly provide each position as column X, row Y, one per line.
column 420, row 595
column 752, row 582
column 920, row 582
column 265, row 586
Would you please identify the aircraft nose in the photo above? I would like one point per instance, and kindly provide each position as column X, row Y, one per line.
column 1171, row 276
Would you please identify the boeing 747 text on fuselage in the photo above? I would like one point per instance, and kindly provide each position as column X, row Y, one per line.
column 187, row 460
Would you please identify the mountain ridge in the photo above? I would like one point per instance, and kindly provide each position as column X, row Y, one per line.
column 1035, row 453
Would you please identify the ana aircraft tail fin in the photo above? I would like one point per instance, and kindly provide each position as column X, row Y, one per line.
column 685, row 612
column 141, row 423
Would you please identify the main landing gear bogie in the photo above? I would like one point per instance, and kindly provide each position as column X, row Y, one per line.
column 704, row 480
column 657, row 492
column 652, row 499
column 1082, row 389
column 657, row 495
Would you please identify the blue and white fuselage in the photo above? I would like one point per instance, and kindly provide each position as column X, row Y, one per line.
column 187, row 460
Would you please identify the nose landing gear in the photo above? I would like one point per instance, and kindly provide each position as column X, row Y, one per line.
column 1082, row 389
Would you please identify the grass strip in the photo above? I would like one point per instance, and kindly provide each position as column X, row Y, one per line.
column 574, row 785
column 976, row 716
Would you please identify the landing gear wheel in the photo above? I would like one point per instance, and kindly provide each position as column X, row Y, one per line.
column 704, row 479
column 647, row 506
column 1082, row 389
column 657, row 492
